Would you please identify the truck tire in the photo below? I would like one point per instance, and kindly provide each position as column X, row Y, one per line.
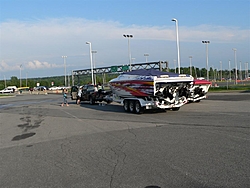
column 91, row 100
column 138, row 108
column 125, row 105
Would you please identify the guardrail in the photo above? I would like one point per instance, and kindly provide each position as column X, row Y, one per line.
column 45, row 92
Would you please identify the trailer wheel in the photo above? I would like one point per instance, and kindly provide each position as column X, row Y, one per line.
column 176, row 109
column 138, row 108
column 91, row 100
column 125, row 106
column 131, row 106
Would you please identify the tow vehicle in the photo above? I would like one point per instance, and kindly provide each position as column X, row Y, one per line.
column 91, row 94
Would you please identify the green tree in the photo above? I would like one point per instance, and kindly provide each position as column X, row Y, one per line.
column 14, row 81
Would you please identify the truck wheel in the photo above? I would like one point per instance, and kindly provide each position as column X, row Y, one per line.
column 138, row 108
column 125, row 105
column 131, row 106
column 91, row 100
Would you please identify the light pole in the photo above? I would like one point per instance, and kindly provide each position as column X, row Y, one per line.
column 21, row 75
column 146, row 55
column 240, row 72
column 133, row 59
column 5, row 82
column 64, row 61
column 174, row 65
column 26, row 79
column 190, row 57
column 68, row 79
column 220, row 70
column 177, row 43
column 94, row 52
column 235, row 63
column 213, row 72
column 247, row 74
column 207, row 42
column 129, row 53
column 195, row 72
column 229, row 67
column 91, row 63
column 246, row 70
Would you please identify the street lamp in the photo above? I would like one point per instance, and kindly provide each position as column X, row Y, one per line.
column 93, row 52
column 91, row 63
column 68, row 79
column 5, row 82
column 214, row 72
column 174, row 65
column 206, row 42
column 195, row 73
column 20, row 75
column 65, row 79
column 240, row 72
column 246, row 70
column 235, row 63
column 129, row 53
column 133, row 59
column 229, row 67
column 190, row 57
column 177, row 43
column 220, row 70
column 26, row 79
column 146, row 55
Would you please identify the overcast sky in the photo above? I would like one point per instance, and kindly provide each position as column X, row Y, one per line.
column 35, row 34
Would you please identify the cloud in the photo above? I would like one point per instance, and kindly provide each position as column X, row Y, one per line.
column 32, row 65
column 40, row 65
column 59, row 30
column 47, row 40
column 6, row 67
column 217, row 34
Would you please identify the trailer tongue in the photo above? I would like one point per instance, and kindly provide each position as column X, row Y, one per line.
column 151, row 89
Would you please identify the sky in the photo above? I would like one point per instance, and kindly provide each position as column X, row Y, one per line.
column 35, row 34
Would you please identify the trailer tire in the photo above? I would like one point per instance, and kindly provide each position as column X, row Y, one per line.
column 125, row 105
column 131, row 106
column 138, row 108
column 176, row 109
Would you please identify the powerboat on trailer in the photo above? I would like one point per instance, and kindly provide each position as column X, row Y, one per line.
column 148, row 89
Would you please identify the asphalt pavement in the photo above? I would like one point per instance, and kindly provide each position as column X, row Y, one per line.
column 204, row 144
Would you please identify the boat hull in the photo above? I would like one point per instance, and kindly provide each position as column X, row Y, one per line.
column 133, row 88
column 199, row 90
column 146, row 83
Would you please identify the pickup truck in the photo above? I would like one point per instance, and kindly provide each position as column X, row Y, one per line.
column 91, row 94
column 9, row 89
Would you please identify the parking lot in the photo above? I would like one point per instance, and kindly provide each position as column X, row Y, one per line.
column 203, row 144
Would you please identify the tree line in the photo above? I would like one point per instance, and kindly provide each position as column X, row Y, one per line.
column 214, row 74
